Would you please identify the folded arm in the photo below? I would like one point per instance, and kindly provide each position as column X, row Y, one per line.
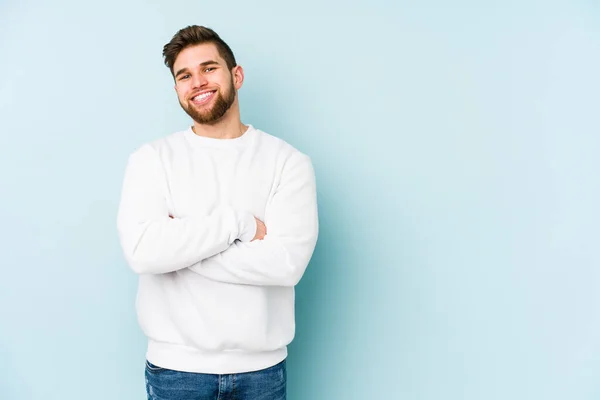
column 152, row 242
column 281, row 258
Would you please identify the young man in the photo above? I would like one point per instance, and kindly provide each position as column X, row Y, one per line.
column 219, row 221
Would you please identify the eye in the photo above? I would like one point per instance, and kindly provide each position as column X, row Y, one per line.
column 184, row 77
column 209, row 69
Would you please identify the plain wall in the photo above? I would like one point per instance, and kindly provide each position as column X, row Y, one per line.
column 456, row 150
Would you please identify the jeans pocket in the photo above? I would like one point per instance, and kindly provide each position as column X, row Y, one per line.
column 153, row 368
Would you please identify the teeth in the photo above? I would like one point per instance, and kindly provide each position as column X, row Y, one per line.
column 202, row 96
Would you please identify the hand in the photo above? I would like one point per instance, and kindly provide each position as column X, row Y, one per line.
column 261, row 230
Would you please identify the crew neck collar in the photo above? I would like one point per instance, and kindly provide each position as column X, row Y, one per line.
column 203, row 141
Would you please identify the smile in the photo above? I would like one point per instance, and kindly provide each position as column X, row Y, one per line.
column 203, row 97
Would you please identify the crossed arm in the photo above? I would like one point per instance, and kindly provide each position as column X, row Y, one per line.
column 225, row 245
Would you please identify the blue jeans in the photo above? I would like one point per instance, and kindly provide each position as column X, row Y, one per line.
column 166, row 384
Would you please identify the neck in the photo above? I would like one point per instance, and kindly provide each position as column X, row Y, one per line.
column 228, row 127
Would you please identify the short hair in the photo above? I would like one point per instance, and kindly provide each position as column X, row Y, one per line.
column 193, row 35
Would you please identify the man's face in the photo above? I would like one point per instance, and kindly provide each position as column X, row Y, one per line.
column 205, row 86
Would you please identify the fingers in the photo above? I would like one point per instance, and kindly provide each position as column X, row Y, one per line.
column 261, row 230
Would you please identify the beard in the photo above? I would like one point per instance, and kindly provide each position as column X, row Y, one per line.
column 222, row 103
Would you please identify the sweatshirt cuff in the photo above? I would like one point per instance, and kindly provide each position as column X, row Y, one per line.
column 246, row 226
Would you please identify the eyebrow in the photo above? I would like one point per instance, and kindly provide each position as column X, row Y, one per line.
column 202, row 64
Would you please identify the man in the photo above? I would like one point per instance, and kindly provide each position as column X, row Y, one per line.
column 216, row 283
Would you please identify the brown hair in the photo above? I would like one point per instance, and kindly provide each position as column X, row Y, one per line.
column 191, row 36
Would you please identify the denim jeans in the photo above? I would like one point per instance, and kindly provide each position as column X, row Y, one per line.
column 166, row 384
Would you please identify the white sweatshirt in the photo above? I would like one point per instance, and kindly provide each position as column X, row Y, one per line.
column 210, row 300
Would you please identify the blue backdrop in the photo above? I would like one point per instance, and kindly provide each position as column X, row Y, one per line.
column 456, row 150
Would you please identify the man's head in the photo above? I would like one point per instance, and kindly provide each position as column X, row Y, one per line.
column 206, row 74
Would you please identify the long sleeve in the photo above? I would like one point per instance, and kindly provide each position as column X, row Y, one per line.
column 281, row 258
column 152, row 242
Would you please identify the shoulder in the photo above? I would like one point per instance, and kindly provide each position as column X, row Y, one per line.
column 159, row 148
column 291, row 161
column 281, row 147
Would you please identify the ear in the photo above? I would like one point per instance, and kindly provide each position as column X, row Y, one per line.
column 238, row 76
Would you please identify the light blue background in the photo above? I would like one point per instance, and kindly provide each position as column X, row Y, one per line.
column 456, row 148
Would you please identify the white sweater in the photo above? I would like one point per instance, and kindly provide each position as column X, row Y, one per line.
column 210, row 300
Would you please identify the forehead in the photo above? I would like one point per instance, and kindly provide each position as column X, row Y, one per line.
column 194, row 55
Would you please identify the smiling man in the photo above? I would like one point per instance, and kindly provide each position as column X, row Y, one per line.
column 220, row 221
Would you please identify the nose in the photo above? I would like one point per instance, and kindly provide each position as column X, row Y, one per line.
column 198, row 80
